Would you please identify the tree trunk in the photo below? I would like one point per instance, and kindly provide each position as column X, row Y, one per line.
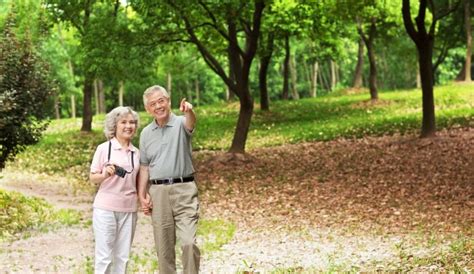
column 467, row 24
column 73, row 107
column 293, row 74
column 263, row 71
column 262, row 79
column 196, row 87
column 357, row 80
column 286, row 69
column 96, row 98
column 333, row 74
column 168, row 84
column 424, row 41
column 314, row 79
column 462, row 73
column 87, row 108
column 428, row 127
column 229, row 93
column 373, row 74
column 418, row 76
column 56, row 107
column 121, row 90
column 240, row 60
column 100, row 88
column 323, row 79
column 243, row 122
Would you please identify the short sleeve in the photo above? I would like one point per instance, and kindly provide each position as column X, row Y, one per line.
column 98, row 161
column 143, row 159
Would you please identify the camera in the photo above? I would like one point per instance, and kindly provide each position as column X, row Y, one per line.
column 120, row 171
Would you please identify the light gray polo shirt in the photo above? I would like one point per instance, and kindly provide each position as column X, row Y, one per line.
column 167, row 150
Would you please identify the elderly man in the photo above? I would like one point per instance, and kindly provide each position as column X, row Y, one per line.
column 166, row 186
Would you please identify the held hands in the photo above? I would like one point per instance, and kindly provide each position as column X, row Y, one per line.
column 185, row 106
column 146, row 204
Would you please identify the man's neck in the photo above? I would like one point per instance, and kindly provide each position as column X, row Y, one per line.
column 162, row 122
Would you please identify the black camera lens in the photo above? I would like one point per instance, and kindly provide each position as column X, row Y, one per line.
column 120, row 171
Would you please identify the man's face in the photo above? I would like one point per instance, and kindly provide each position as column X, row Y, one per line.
column 158, row 106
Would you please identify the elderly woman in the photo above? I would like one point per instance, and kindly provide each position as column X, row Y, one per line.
column 115, row 169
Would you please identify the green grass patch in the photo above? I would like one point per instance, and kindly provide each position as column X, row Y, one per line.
column 20, row 213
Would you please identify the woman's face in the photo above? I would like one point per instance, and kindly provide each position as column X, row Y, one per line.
column 126, row 127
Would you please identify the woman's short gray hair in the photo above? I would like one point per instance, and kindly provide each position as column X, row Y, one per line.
column 154, row 89
column 112, row 118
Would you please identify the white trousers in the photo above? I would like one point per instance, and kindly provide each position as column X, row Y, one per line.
column 113, row 233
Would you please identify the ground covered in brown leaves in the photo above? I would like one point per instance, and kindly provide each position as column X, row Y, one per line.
column 378, row 185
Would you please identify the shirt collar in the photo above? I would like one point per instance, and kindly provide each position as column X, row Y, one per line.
column 117, row 146
column 171, row 122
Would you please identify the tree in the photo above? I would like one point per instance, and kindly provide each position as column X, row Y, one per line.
column 468, row 27
column 424, row 41
column 215, row 28
column 24, row 92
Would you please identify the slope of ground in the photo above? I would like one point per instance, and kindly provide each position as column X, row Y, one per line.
column 391, row 203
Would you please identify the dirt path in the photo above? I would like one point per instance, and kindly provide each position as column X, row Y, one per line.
column 295, row 226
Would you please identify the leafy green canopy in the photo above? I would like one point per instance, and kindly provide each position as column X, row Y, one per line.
column 24, row 91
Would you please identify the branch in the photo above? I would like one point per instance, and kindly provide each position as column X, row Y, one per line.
column 214, row 24
column 441, row 56
column 410, row 28
column 442, row 15
column 252, row 41
column 420, row 19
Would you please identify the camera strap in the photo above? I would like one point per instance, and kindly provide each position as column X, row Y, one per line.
column 131, row 157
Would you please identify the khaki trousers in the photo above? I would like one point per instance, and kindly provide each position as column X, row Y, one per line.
column 175, row 214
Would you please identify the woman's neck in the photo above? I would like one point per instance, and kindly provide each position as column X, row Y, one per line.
column 125, row 143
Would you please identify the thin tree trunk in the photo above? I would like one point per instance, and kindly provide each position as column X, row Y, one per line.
column 229, row 94
column 262, row 79
column 86, row 107
column 314, row 79
column 324, row 78
column 467, row 25
column 121, row 90
column 428, row 127
column 293, row 74
column 198, row 96
column 168, row 84
column 73, row 107
column 96, row 98
column 424, row 41
column 333, row 74
column 357, row 80
column 100, row 89
column 286, row 69
column 56, row 107
column 418, row 76
column 263, row 72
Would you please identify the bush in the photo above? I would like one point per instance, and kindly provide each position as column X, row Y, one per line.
column 19, row 213
column 24, row 92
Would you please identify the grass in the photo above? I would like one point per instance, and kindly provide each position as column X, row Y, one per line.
column 21, row 214
column 66, row 151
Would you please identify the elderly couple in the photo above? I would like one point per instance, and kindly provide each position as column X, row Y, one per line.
column 160, row 174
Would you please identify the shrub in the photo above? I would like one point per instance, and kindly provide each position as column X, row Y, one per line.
column 24, row 91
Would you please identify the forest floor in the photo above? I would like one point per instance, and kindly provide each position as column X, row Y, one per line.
column 394, row 203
